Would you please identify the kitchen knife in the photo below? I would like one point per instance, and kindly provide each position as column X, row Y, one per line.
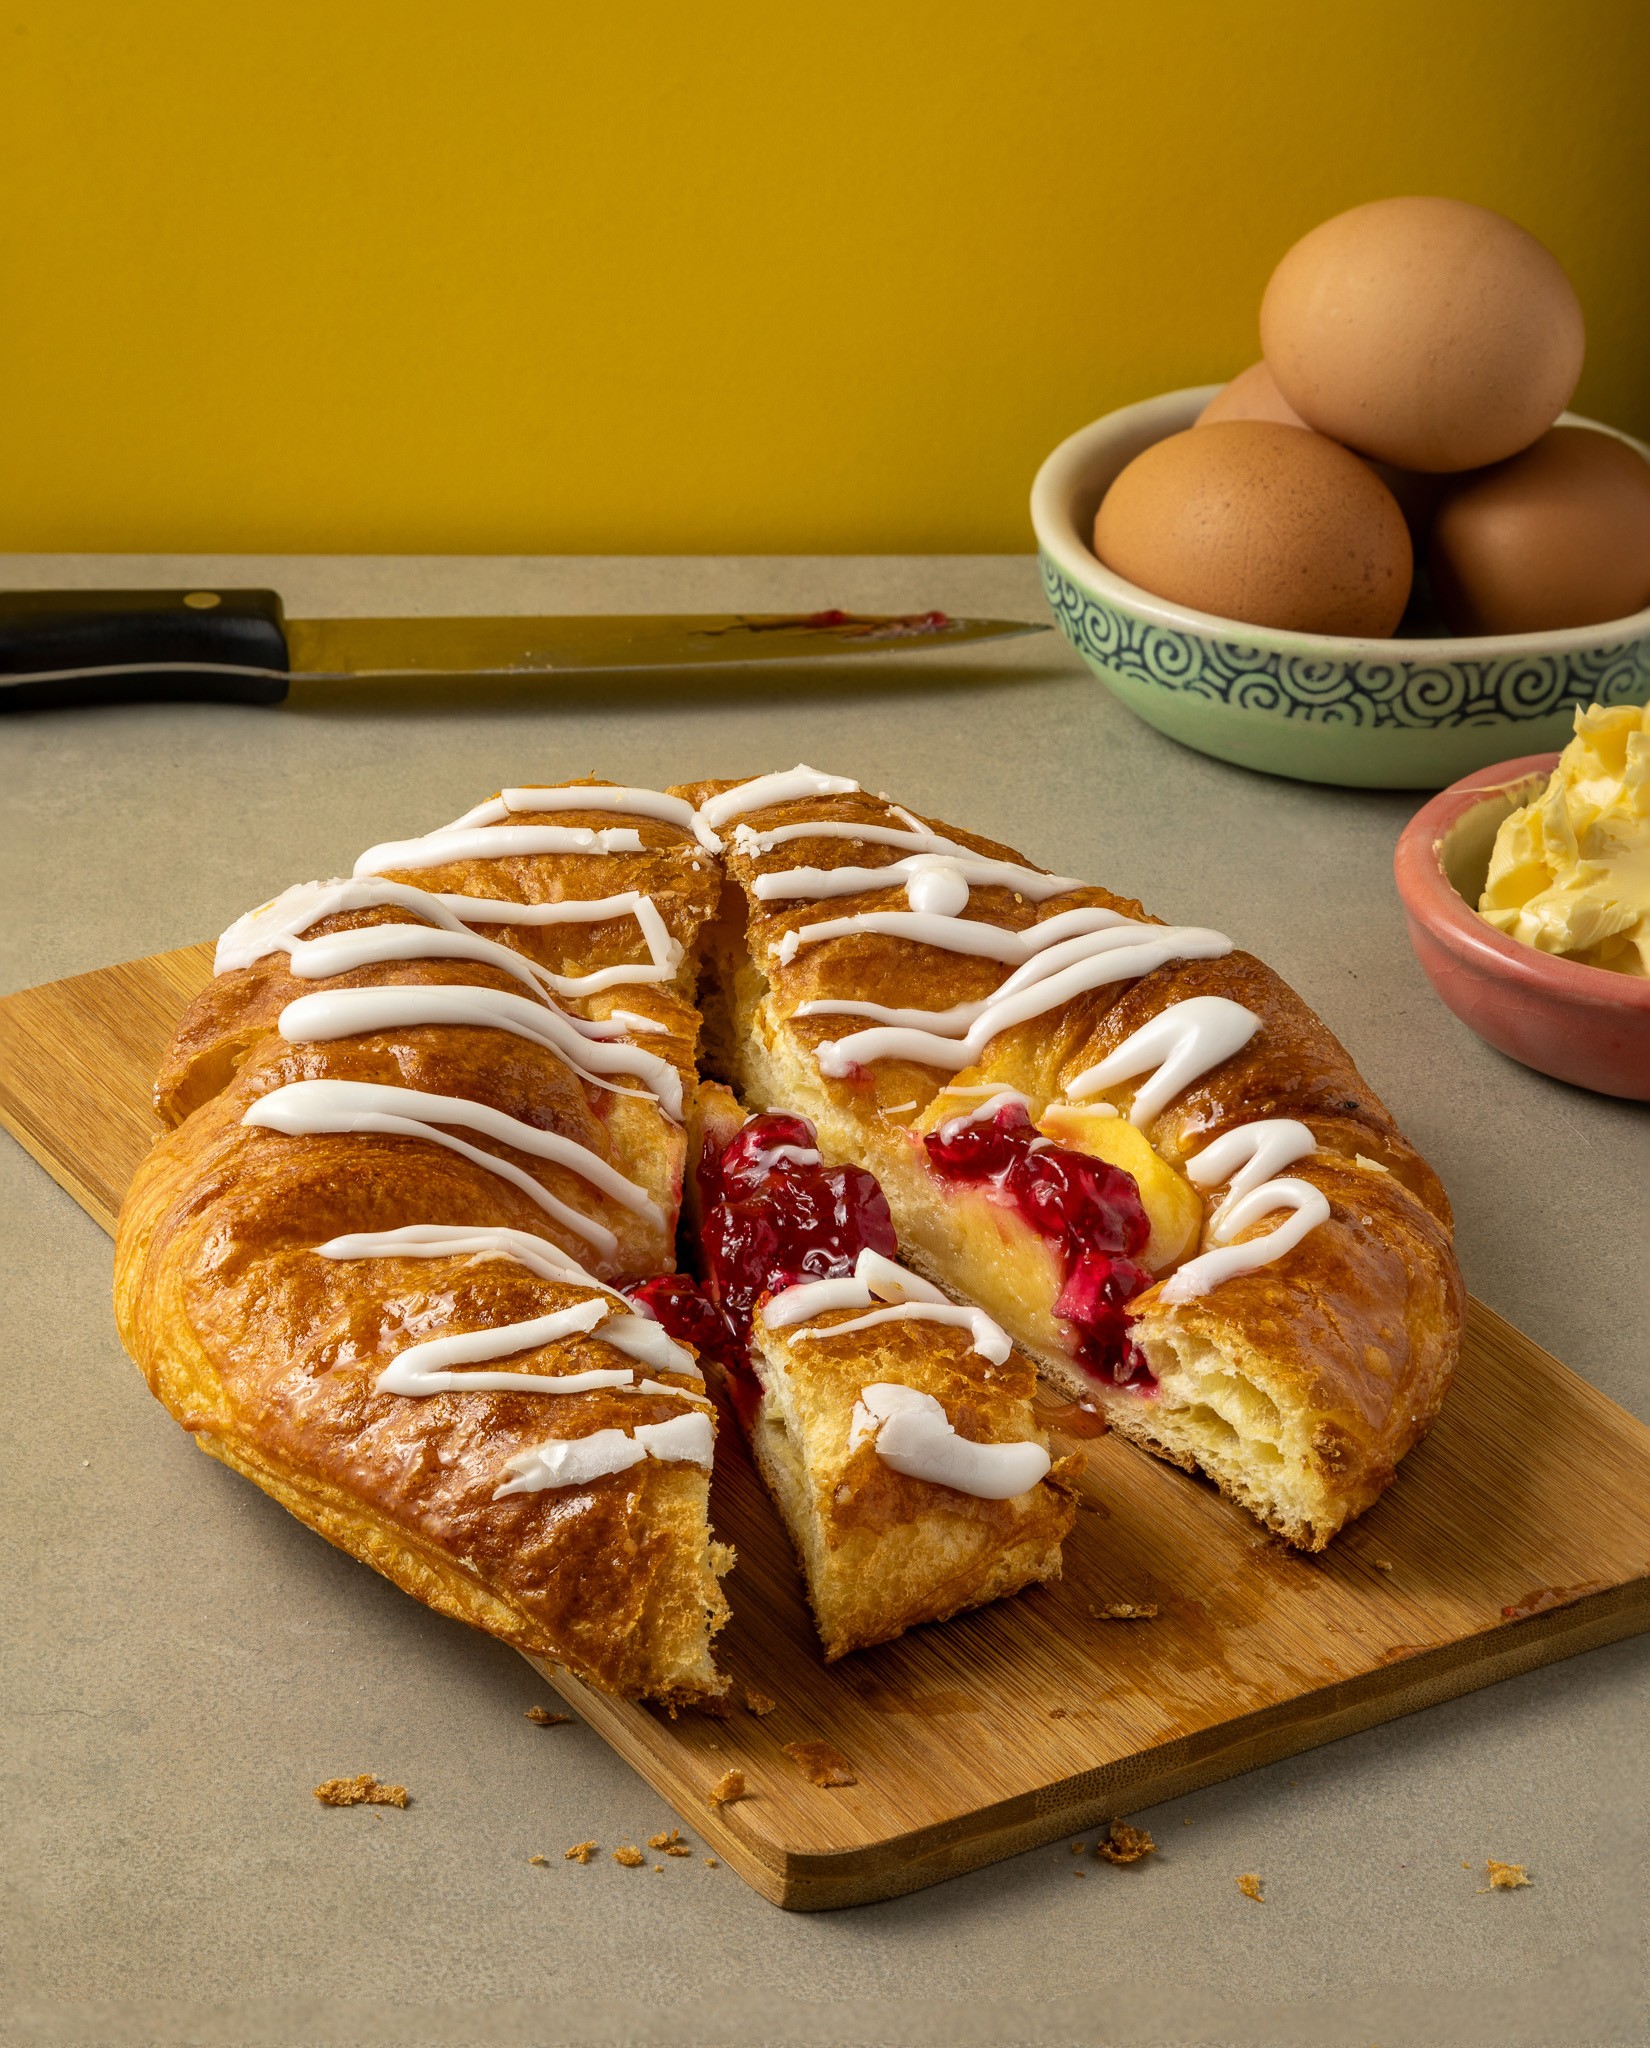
column 238, row 646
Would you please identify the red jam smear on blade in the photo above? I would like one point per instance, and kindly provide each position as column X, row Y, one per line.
column 1089, row 1211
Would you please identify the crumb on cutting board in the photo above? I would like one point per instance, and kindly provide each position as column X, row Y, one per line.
column 1504, row 1877
column 366, row 1790
column 758, row 1702
column 1125, row 1610
column 541, row 1717
column 1123, row 1844
column 629, row 1855
column 729, row 1787
column 581, row 1852
column 821, row 1763
column 1250, row 1886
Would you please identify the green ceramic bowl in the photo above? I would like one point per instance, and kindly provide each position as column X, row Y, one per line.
column 1375, row 714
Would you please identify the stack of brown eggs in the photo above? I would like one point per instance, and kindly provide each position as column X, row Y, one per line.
column 1417, row 354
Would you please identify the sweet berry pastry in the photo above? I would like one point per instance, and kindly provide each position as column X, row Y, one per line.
column 425, row 1118
column 407, row 1255
column 892, row 1426
column 1129, row 1142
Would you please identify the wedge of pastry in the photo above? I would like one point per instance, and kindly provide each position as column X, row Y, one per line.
column 893, row 1427
column 1129, row 1142
column 424, row 1116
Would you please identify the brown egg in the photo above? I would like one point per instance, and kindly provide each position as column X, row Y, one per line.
column 1253, row 394
column 1427, row 332
column 1556, row 536
column 1269, row 524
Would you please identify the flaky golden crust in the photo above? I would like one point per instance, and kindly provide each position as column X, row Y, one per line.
column 270, row 1353
column 883, row 1551
column 1352, row 1340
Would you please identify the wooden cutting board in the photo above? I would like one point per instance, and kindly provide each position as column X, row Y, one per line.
column 1518, row 1533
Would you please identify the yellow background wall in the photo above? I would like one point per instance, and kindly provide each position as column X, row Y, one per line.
column 528, row 275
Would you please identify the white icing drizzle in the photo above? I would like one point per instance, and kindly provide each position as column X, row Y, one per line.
column 780, row 788
column 876, row 1278
column 276, row 926
column 1199, row 1275
column 953, row 1039
column 1179, row 1045
column 913, row 1434
column 591, row 796
column 347, row 1012
column 683, row 1440
column 497, row 842
column 982, row 1112
column 457, row 1240
column 788, row 1155
column 310, row 1108
column 1250, row 1154
column 425, row 1368
column 964, row 934
column 813, row 884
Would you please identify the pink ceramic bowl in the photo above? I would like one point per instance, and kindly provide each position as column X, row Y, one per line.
column 1579, row 1024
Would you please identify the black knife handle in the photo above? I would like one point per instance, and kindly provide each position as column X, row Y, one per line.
column 61, row 647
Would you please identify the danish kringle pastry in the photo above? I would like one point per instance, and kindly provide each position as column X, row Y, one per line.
column 426, row 1120
column 1130, row 1143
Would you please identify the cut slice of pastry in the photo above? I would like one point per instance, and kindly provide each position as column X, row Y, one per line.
column 893, row 1428
column 1130, row 1143
column 422, row 1117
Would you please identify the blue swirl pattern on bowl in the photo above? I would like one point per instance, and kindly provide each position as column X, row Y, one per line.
column 1512, row 690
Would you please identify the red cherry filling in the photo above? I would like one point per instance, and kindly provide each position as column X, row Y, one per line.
column 773, row 1218
column 1089, row 1210
column 687, row 1313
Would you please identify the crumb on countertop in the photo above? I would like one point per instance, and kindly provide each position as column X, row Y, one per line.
column 1250, row 1886
column 541, row 1861
column 758, row 1702
column 541, row 1717
column 366, row 1790
column 1123, row 1844
column 1504, row 1877
column 711, row 1863
column 729, row 1787
column 821, row 1763
column 1125, row 1610
column 629, row 1855
column 671, row 1843
column 581, row 1852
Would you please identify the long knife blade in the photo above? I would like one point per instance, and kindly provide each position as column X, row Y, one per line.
column 97, row 647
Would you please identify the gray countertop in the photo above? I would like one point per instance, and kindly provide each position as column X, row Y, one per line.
column 184, row 1661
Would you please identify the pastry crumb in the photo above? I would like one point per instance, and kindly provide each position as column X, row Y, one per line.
column 1077, row 1848
column 541, row 1861
column 758, row 1702
column 629, row 1855
column 821, row 1763
column 581, row 1852
column 1079, row 1873
column 1383, row 1564
column 670, row 1842
column 711, row 1863
column 729, row 1787
column 1125, row 1610
column 1504, row 1877
column 541, row 1717
column 1250, row 1886
column 658, row 1869
column 1123, row 1844
column 365, row 1790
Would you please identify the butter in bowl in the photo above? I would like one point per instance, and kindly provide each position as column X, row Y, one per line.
column 1526, row 890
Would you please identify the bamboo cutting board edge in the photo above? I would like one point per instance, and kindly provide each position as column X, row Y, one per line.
column 89, row 1045
column 801, row 1880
